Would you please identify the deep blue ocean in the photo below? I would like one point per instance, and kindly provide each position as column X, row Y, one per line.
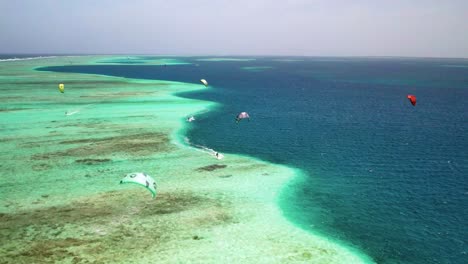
column 380, row 175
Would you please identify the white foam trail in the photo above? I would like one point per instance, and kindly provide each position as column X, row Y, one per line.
column 71, row 113
column 28, row 58
column 204, row 149
column 75, row 111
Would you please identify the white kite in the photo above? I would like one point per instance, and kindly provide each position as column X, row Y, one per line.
column 142, row 179
column 204, row 82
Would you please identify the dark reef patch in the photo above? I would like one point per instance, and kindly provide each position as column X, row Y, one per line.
column 91, row 161
column 13, row 109
column 212, row 167
column 111, row 227
column 143, row 144
column 41, row 167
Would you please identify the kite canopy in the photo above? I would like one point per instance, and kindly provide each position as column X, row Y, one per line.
column 412, row 99
column 204, row 82
column 142, row 179
column 242, row 115
column 61, row 88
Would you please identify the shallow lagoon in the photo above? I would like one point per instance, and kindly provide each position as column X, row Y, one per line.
column 59, row 194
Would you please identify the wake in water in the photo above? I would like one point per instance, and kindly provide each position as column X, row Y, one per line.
column 204, row 149
column 71, row 113
column 77, row 110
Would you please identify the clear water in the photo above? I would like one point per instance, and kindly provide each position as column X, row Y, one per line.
column 380, row 174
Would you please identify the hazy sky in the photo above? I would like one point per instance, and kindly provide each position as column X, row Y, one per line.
column 431, row 28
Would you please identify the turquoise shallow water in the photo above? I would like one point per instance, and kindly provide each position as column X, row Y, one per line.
column 63, row 155
column 381, row 175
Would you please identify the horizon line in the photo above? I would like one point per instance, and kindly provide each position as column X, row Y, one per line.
column 234, row 55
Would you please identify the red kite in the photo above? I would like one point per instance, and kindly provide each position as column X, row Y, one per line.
column 412, row 99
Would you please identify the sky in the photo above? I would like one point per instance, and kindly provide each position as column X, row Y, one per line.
column 409, row 28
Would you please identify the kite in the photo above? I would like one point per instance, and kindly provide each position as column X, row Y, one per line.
column 242, row 115
column 412, row 99
column 204, row 82
column 141, row 179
